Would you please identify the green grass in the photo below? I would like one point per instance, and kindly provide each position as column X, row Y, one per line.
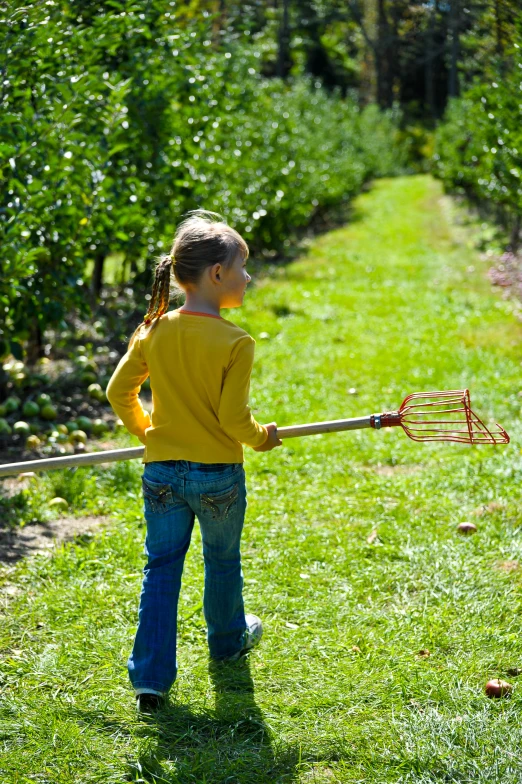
column 388, row 306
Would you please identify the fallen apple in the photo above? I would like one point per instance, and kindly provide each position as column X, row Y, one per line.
column 78, row 436
column 88, row 377
column 94, row 390
column 99, row 427
column 63, row 429
column 30, row 408
column 58, row 503
column 49, row 412
column 5, row 427
column 12, row 404
column 71, row 426
column 32, row 442
column 84, row 423
column 498, row 688
column 22, row 428
column 43, row 399
column 467, row 528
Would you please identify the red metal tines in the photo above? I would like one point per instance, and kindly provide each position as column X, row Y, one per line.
column 446, row 416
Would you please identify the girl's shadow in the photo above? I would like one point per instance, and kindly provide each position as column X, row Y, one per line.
column 230, row 744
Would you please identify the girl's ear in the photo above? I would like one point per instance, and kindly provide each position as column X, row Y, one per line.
column 215, row 273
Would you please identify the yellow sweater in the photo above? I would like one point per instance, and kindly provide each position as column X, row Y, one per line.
column 199, row 367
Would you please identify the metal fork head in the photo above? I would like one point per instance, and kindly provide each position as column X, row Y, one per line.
column 447, row 416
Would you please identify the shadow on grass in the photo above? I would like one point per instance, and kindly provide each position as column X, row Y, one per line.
column 230, row 744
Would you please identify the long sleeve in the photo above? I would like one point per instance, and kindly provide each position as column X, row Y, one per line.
column 123, row 388
column 234, row 412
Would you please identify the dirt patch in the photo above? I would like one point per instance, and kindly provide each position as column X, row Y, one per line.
column 508, row 566
column 16, row 543
column 507, row 273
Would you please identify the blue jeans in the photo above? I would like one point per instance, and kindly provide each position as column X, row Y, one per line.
column 174, row 492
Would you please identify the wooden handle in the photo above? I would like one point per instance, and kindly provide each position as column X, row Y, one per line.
column 333, row 426
column 89, row 458
column 111, row 455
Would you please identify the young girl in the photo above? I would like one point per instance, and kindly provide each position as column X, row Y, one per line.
column 199, row 366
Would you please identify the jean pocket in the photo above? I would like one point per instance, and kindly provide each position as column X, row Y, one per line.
column 158, row 496
column 219, row 506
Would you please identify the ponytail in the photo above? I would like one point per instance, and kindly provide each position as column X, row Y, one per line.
column 159, row 301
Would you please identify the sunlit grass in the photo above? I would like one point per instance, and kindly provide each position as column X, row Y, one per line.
column 337, row 691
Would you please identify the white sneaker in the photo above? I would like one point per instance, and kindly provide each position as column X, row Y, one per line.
column 253, row 634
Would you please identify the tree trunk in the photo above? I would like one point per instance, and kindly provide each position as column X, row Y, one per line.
column 97, row 275
column 429, row 87
column 366, row 18
column 384, row 76
column 380, row 66
column 284, row 62
column 35, row 346
column 392, row 49
column 454, row 24
column 498, row 29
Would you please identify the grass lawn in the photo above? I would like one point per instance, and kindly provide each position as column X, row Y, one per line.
column 395, row 302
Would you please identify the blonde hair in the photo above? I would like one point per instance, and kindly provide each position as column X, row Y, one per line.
column 201, row 240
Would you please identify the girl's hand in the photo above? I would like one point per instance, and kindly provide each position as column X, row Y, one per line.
column 272, row 441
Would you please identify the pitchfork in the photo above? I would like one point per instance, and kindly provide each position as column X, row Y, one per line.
column 424, row 416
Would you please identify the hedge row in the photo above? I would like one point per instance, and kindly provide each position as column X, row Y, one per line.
column 478, row 149
column 117, row 119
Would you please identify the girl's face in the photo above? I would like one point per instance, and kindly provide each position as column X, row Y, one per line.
column 234, row 281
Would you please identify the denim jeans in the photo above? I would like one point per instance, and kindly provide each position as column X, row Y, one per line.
column 174, row 492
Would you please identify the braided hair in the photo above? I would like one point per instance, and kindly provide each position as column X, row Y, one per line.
column 160, row 297
column 201, row 240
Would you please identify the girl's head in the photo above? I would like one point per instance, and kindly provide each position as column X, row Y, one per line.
column 207, row 254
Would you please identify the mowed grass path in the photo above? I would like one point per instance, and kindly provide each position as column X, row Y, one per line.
column 337, row 691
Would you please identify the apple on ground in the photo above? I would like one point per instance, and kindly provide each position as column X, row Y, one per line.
column 32, row 442
column 30, row 408
column 22, row 428
column 5, row 427
column 88, row 377
column 99, row 427
column 467, row 528
column 58, row 503
column 498, row 688
column 78, row 436
column 49, row 412
column 84, row 423
column 12, row 404
column 94, row 390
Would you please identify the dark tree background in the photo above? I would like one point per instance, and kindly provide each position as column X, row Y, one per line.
column 414, row 52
